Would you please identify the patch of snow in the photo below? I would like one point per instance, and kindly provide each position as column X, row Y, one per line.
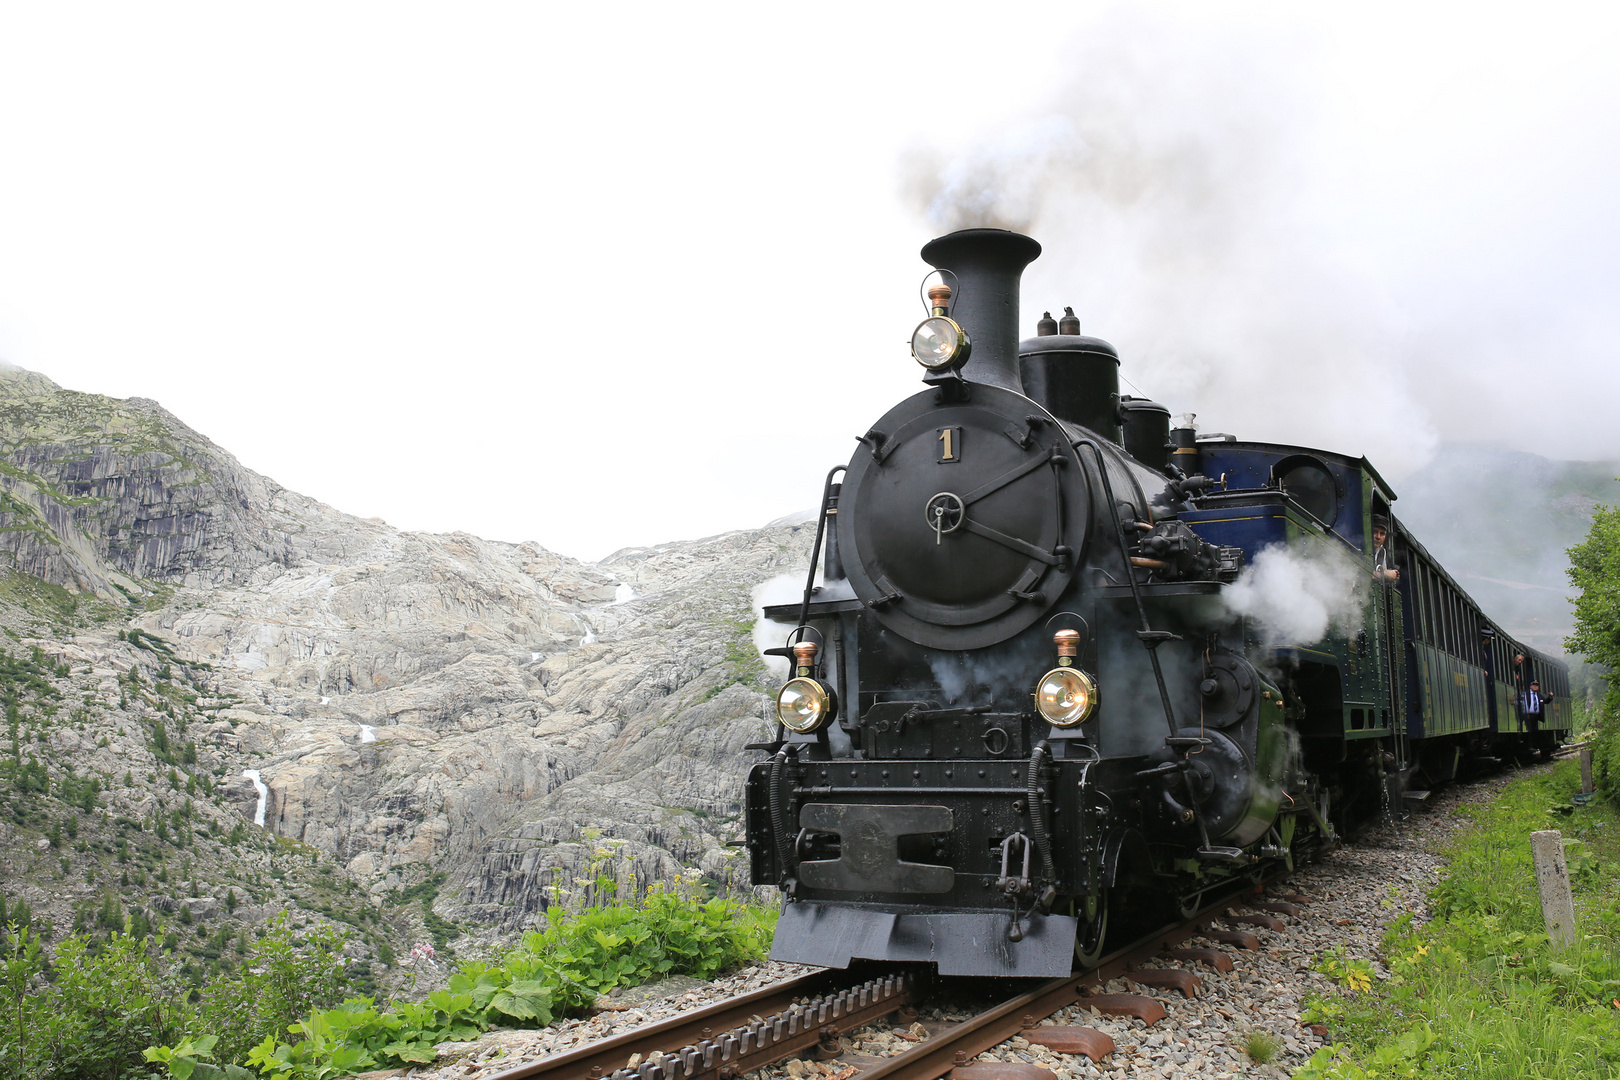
column 264, row 794
column 368, row 733
column 326, row 701
column 622, row 595
column 533, row 657
column 589, row 638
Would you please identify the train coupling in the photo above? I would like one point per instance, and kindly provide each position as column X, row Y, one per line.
column 1011, row 848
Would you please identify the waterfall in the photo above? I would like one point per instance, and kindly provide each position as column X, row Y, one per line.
column 264, row 794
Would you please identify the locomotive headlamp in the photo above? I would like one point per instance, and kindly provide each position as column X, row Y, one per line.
column 1065, row 696
column 939, row 342
column 803, row 705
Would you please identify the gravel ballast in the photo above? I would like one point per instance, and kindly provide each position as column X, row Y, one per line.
column 1355, row 891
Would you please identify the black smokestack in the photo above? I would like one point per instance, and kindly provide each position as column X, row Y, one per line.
column 988, row 264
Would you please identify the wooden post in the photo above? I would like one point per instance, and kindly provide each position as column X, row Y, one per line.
column 1552, row 876
column 1586, row 770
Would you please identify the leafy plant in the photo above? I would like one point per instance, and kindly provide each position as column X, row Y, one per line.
column 21, row 963
column 1351, row 972
column 283, row 979
column 329, row 1047
column 184, row 1062
column 1401, row 1056
column 556, row 971
column 106, row 1001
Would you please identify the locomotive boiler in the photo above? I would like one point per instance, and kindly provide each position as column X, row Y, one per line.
column 1022, row 709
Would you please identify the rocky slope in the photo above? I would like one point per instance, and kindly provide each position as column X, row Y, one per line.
column 487, row 726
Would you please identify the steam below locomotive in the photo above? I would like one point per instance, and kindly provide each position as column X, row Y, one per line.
column 1023, row 708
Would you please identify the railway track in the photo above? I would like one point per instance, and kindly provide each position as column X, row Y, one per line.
column 805, row 1016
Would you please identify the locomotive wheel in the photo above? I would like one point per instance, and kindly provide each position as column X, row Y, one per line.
column 1091, row 936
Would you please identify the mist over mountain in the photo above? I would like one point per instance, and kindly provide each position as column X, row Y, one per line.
column 1501, row 521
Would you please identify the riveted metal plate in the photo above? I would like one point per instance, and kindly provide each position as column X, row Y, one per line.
column 869, row 848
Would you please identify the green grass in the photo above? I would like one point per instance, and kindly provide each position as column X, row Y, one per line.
column 1480, row 991
column 1261, row 1046
column 39, row 598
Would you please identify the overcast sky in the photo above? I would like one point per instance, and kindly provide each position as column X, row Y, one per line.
column 621, row 274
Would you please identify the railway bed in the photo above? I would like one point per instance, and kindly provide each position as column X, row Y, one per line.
column 1354, row 891
column 830, row 1017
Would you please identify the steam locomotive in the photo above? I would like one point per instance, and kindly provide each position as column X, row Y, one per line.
column 1022, row 706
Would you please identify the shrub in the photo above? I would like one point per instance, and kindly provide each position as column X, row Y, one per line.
column 279, row 983
column 556, row 971
column 104, row 1006
column 1606, row 748
column 591, row 953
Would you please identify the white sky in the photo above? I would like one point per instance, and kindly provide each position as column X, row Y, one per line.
column 620, row 274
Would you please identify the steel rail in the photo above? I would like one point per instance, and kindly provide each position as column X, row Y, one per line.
column 742, row 1034
column 958, row 1045
column 721, row 1026
column 939, row 1055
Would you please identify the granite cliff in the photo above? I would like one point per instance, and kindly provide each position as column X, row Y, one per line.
column 482, row 724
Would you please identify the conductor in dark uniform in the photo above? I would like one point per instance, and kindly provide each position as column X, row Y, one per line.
column 1532, row 709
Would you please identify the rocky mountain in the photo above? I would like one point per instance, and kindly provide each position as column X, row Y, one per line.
column 478, row 726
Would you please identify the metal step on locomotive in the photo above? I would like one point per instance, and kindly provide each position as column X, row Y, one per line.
column 1021, row 705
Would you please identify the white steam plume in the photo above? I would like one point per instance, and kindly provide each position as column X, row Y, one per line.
column 1172, row 188
column 782, row 589
column 1296, row 596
